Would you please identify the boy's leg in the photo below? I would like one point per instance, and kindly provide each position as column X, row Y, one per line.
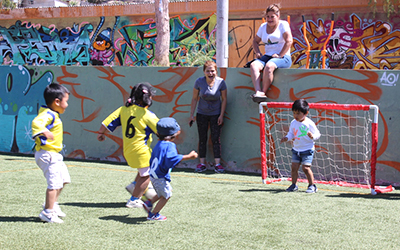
column 142, row 182
column 295, row 172
column 51, row 198
column 310, row 176
column 160, row 204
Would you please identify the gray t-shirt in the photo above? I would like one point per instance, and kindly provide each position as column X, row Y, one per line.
column 210, row 97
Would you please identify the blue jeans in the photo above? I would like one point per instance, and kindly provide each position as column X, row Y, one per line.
column 284, row 62
column 304, row 157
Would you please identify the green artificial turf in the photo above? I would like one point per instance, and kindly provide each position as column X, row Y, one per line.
column 206, row 211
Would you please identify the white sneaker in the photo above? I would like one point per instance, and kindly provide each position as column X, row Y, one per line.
column 134, row 204
column 130, row 188
column 57, row 210
column 50, row 217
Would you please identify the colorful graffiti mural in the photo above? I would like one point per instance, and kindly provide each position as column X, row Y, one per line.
column 358, row 41
column 26, row 43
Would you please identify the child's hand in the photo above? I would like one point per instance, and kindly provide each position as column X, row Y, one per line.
column 101, row 137
column 284, row 139
column 310, row 135
column 49, row 135
column 193, row 155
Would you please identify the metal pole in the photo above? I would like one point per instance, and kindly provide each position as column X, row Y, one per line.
column 222, row 33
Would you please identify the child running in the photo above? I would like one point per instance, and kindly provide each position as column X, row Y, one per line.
column 163, row 158
column 303, row 132
column 47, row 131
column 138, row 123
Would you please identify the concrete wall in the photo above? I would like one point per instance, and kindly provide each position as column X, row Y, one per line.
column 69, row 35
column 97, row 91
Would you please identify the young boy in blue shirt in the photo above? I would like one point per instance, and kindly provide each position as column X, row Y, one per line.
column 164, row 158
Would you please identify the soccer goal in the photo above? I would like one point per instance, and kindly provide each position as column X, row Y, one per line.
column 345, row 154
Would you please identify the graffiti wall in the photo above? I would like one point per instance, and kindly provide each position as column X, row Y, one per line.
column 358, row 41
column 97, row 91
column 111, row 41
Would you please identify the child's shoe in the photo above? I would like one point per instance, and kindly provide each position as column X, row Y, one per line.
column 292, row 188
column 148, row 206
column 156, row 216
column 200, row 168
column 312, row 189
column 57, row 210
column 134, row 203
column 50, row 217
column 219, row 168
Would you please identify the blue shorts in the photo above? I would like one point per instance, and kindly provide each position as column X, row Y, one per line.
column 162, row 187
column 304, row 157
column 284, row 62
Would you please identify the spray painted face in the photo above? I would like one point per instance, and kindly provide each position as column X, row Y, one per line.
column 101, row 44
column 339, row 44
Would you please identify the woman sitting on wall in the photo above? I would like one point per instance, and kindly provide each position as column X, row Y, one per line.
column 277, row 37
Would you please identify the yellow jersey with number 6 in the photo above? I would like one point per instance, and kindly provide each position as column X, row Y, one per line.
column 138, row 124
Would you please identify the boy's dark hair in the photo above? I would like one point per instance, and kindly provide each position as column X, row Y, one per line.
column 54, row 91
column 141, row 95
column 301, row 105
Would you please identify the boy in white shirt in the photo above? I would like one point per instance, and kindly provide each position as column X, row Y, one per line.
column 303, row 132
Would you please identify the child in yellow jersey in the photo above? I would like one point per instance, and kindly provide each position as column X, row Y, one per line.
column 47, row 130
column 138, row 124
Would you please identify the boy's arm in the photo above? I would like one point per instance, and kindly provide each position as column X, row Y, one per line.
column 315, row 134
column 192, row 155
column 101, row 132
column 40, row 126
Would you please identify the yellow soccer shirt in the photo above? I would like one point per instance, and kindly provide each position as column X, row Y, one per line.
column 137, row 123
column 47, row 120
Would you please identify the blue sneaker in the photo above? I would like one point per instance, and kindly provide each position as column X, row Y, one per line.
column 312, row 189
column 292, row 188
column 156, row 216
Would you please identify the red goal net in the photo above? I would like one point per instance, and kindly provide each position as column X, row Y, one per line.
column 345, row 154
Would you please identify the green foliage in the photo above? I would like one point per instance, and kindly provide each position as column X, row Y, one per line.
column 391, row 7
column 7, row 4
column 198, row 55
column 95, row 1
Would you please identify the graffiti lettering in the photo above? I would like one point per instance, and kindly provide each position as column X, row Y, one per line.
column 389, row 79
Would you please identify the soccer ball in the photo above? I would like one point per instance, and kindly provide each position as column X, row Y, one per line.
column 150, row 193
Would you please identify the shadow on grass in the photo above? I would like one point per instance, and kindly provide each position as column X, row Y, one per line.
column 19, row 219
column 385, row 196
column 93, row 204
column 277, row 191
column 125, row 219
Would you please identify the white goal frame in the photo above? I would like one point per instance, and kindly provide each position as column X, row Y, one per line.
column 264, row 106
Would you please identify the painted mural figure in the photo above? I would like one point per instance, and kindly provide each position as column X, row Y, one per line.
column 138, row 124
column 303, row 132
column 277, row 37
column 47, row 130
column 210, row 92
column 102, row 48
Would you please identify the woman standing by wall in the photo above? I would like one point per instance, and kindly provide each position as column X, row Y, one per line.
column 210, row 93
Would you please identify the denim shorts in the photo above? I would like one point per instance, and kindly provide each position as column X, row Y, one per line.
column 304, row 157
column 162, row 187
column 284, row 62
